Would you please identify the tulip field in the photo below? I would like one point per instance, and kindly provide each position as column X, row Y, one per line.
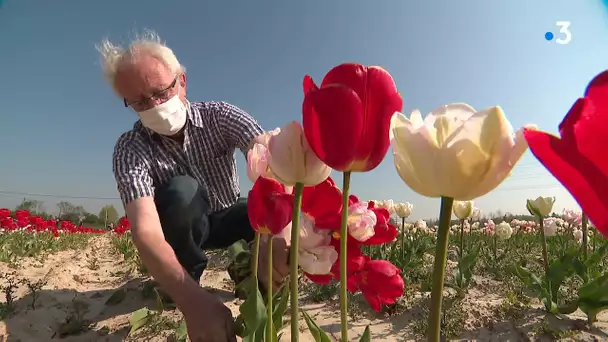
column 82, row 284
column 360, row 269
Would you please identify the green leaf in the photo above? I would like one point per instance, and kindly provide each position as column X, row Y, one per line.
column 159, row 301
column 139, row 319
column 593, row 297
column 316, row 332
column 253, row 311
column 242, row 289
column 561, row 269
column 273, row 334
column 117, row 297
column 367, row 336
column 239, row 326
column 536, row 284
column 280, row 303
column 237, row 249
column 258, row 334
column 181, row 333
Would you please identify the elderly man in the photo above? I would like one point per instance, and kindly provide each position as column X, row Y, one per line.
column 176, row 174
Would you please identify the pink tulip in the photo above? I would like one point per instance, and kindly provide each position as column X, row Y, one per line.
column 257, row 158
column 316, row 255
column 361, row 221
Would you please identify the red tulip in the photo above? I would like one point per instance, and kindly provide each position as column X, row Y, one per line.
column 346, row 121
column 578, row 158
column 379, row 281
column 384, row 232
column 269, row 207
column 323, row 203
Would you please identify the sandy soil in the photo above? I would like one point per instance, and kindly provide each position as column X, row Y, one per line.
column 78, row 284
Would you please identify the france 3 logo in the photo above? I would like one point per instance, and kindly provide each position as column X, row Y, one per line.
column 563, row 35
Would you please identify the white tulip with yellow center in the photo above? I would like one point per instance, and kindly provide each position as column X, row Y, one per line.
column 455, row 151
column 541, row 206
column 463, row 209
column 403, row 210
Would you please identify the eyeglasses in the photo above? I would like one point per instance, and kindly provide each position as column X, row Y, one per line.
column 144, row 103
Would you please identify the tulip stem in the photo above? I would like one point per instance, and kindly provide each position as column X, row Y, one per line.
column 543, row 240
column 441, row 252
column 343, row 255
column 256, row 254
column 293, row 262
column 402, row 238
column 269, row 308
column 462, row 238
column 584, row 227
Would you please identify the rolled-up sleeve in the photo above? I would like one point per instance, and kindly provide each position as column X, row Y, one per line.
column 132, row 174
column 238, row 127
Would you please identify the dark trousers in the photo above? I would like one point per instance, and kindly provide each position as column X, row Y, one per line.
column 190, row 227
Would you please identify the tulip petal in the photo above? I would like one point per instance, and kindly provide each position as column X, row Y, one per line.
column 456, row 114
column 596, row 91
column 333, row 124
column 378, row 93
column 414, row 152
column 286, row 158
column 577, row 160
column 324, row 203
column 308, row 85
column 269, row 208
column 496, row 143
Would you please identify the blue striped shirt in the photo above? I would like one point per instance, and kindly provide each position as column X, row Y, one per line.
column 143, row 159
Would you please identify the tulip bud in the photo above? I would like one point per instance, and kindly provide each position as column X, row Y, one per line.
column 463, row 209
column 541, row 206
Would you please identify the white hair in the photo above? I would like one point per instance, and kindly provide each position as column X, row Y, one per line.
column 112, row 56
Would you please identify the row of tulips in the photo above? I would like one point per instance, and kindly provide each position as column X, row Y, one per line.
column 23, row 220
column 456, row 153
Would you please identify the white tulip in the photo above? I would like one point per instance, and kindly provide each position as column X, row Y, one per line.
column 463, row 209
column 541, row 206
column 503, row 231
column 403, row 210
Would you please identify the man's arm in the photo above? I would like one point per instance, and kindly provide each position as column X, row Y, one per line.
column 240, row 129
column 136, row 190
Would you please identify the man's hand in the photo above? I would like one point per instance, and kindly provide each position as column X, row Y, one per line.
column 280, row 261
column 208, row 319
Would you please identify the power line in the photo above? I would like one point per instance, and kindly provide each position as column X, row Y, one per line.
column 15, row 193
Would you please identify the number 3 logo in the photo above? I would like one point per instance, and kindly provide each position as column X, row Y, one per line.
column 564, row 28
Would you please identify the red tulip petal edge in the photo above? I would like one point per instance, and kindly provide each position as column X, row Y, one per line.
column 578, row 157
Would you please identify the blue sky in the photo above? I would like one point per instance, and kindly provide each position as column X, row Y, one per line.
column 60, row 120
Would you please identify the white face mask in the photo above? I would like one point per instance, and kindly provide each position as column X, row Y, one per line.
column 167, row 118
